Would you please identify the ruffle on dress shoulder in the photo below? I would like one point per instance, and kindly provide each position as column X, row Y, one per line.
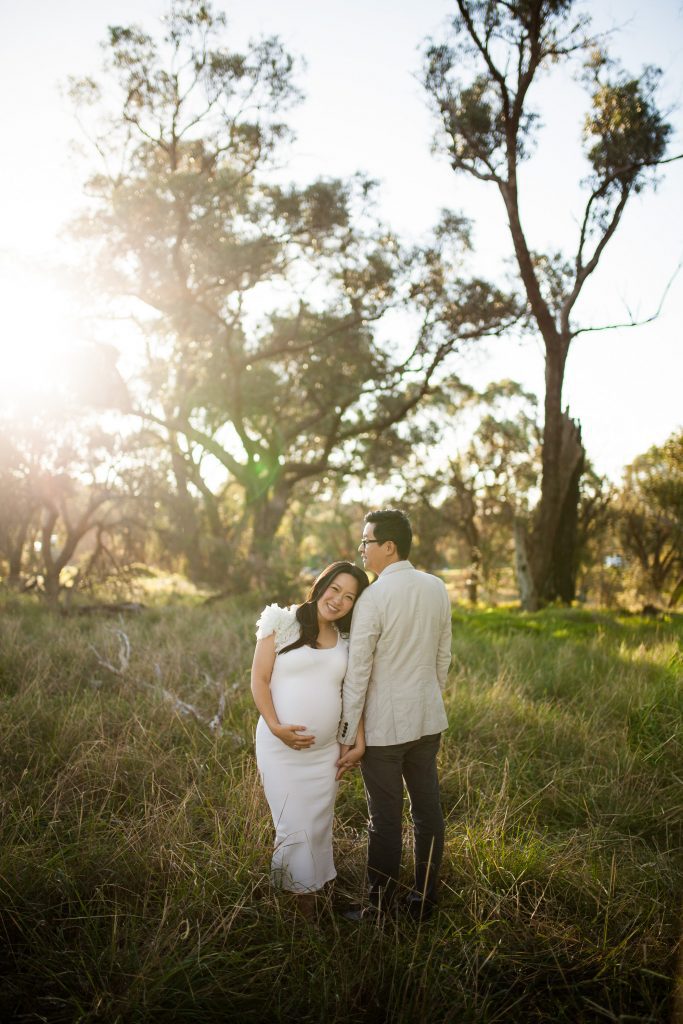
column 280, row 621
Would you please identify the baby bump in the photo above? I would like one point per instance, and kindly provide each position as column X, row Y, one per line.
column 316, row 707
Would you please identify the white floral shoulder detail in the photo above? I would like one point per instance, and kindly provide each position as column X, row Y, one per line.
column 279, row 621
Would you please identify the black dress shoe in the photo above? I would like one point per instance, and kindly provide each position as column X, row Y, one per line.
column 352, row 914
column 369, row 913
column 419, row 909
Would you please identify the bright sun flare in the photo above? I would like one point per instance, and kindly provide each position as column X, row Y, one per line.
column 37, row 342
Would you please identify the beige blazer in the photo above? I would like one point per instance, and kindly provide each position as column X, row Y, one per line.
column 399, row 653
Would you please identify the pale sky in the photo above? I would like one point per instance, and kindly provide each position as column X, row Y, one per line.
column 365, row 110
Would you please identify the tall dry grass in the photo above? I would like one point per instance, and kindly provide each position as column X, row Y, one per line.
column 136, row 840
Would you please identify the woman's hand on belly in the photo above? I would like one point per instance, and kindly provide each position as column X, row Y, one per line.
column 294, row 736
column 320, row 714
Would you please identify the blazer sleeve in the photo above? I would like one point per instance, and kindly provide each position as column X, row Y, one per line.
column 365, row 631
column 443, row 654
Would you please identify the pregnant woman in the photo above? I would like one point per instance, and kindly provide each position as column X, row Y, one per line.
column 296, row 679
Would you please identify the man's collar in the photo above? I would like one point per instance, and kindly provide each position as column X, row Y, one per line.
column 395, row 567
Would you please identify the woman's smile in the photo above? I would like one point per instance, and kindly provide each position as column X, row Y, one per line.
column 338, row 598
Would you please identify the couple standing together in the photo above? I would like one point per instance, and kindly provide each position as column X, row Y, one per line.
column 328, row 703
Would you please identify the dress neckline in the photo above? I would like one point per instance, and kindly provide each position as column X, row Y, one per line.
column 334, row 646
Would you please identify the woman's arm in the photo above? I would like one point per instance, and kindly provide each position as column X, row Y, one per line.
column 261, row 671
column 350, row 756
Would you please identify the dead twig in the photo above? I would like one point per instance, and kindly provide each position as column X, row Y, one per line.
column 182, row 707
column 124, row 655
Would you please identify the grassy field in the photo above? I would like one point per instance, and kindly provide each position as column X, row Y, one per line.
column 136, row 842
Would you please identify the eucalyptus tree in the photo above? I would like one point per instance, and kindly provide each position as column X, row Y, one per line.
column 265, row 367
column 648, row 516
column 60, row 476
column 487, row 482
column 480, row 83
column 491, row 481
column 19, row 510
column 70, row 493
column 592, row 570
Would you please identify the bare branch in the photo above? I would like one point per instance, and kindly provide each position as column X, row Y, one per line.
column 601, row 191
column 584, row 272
column 635, row 323
column 124, row 655
column 216, row 723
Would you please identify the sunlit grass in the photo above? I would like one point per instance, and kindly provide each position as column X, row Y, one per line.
column 136, row 842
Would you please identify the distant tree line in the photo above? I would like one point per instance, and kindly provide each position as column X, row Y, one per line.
column 273, row 373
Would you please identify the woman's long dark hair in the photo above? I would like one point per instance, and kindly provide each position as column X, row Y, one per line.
column 307, row 613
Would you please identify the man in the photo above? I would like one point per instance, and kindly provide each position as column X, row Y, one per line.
column 400, row 650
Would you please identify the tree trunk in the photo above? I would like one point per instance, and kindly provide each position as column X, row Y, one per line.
column 547, row 516
column 676, row 594
column 15, row 559
column 185, row 516
column 562, row 450
column 472, row 581
column 51, row 583
column 564, row 566
column 466, row 525
column 267, row 512
column 563, row 457
column 526, row 584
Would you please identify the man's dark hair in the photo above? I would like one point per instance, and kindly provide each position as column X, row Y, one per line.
column 392, row 524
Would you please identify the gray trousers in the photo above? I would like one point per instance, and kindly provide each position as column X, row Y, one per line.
column 384, row 771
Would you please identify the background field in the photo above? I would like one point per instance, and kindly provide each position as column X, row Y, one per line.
column 136, row 842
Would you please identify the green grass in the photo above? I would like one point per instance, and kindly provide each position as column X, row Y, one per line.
column 135, row 843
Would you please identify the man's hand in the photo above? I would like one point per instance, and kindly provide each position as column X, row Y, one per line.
column 349, row 758
column 291, row 735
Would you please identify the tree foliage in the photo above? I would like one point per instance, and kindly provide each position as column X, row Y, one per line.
column 262, row 302
column 483, row 486
column 649, row 522
column 74, row 492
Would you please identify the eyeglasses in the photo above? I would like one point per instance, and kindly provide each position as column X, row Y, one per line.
column 364, row 543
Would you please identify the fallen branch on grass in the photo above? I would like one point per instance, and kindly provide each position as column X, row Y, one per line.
column 124, row 655
column 215, row 724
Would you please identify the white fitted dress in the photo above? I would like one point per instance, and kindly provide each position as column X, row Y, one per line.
column 299, row 784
